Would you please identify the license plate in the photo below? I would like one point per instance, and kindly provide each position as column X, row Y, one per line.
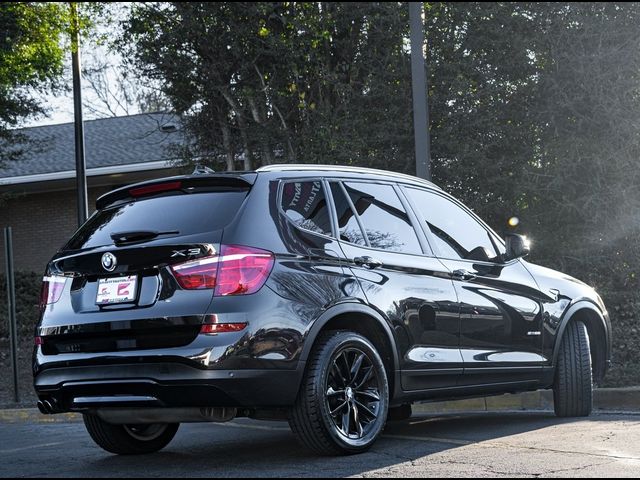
column 116, row 290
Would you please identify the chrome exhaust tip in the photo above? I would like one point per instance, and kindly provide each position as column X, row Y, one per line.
column 46, row 407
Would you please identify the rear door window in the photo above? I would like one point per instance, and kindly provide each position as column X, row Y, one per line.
column 185, row 214
column 383, row 217
column 305, row 204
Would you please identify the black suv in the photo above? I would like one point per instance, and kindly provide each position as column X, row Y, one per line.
column 331, row 297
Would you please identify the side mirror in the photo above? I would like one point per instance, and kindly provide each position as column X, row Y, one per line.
column 517, row 246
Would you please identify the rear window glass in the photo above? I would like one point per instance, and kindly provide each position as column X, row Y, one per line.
column 186, row 214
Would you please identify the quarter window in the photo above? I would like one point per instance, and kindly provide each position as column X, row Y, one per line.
column 306, row 206
column 456, row 233
column 383, row 217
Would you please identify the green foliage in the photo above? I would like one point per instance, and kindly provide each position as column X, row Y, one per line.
column 623, row 308
column 31, row 62
column 298, row 81
column 480, row 89
column 586, row 175
column 34, row 40
column 31, row 55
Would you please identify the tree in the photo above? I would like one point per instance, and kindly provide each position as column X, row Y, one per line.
column 112, row 89
column 31, row 59
column 292, row 81
column 482, row 77
column 586, row 178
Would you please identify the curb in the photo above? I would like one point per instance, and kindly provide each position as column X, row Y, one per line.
column 19, row 415
column 604, row 399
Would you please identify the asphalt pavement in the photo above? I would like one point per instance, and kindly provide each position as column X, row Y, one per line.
column 504, row 444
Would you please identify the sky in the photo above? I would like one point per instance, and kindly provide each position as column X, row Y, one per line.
column 59, row 106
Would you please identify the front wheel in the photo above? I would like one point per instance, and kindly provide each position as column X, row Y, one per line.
column 129, row 439
column 573, row 385
column 343, row 401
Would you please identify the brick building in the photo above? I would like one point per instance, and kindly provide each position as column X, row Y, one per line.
column 37, row 192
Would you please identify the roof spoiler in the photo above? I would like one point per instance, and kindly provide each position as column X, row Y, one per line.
column 185, row 184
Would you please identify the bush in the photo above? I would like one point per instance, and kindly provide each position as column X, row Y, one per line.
column 27, row 300
column 623, row 307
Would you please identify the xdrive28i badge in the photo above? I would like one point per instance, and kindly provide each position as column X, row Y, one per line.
column 109, row 262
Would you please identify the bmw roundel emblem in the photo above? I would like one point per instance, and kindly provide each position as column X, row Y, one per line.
column 109, row 262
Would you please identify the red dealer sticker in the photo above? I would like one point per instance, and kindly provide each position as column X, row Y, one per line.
column 116, row 290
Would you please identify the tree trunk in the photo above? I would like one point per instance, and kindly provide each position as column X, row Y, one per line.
column 242, row 125
column 267, row 153
column 245, row 144
column 268, row 100
column 226, row 142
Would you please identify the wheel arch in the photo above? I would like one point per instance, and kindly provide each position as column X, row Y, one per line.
column 599, row 336
column 365, row 321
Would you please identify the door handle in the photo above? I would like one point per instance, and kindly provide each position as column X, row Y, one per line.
column 367, row 262
column 462, row 274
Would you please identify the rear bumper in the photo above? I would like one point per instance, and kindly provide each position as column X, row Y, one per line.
column 165, row 385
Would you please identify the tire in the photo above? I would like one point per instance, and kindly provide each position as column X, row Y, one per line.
column 573, row 384
column 340, row 410
column 129, row 439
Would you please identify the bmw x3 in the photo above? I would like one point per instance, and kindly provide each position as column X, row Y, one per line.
column 329, row 297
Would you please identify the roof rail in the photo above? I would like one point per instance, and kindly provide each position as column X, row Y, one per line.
column 340, row 168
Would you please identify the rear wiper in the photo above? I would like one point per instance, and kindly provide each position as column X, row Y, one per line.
column 138, row 235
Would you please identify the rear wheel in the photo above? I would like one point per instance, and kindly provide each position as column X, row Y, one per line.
column 342, row 404
column 129, row 439
column 573, row 385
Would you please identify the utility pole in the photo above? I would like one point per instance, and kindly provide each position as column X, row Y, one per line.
column 11, row 307
column 419, row 84
column 81, row 174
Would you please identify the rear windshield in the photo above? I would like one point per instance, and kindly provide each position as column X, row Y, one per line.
column 187, row 214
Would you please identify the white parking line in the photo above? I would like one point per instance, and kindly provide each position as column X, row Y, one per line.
column 452, row 441
column 14, row 450
column 252, row 427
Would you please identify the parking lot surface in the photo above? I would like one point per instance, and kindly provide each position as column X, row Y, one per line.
column 509, row 444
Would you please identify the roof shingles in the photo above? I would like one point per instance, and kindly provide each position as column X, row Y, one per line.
column 108, row 142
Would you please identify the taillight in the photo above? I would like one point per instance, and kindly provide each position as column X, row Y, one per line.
column 242, row 270
column 51, row 290
column 238, row 270
column 198, row 274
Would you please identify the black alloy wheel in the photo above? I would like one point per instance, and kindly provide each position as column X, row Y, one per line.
column 353, row 393
column 344, row 398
